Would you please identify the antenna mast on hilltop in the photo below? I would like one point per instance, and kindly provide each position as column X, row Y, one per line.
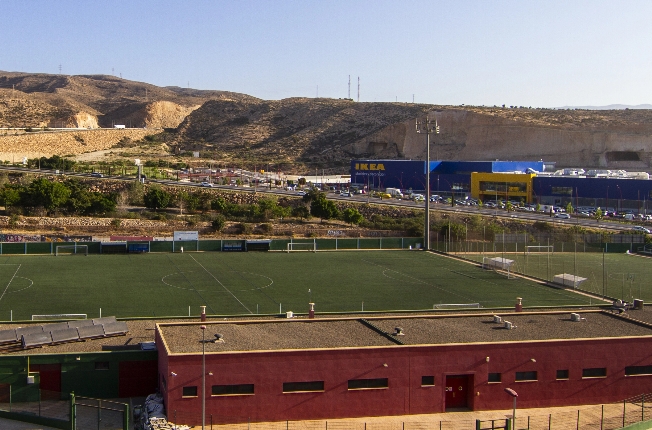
column 59, row 68
column 358, row 88
column 349, row 87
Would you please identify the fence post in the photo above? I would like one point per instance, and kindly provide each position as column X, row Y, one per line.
column 602, row 418
column 549, row 421
column 578, row 420
column 126, row 423
column 73, row 409
column 99, row 414
column 211, row 421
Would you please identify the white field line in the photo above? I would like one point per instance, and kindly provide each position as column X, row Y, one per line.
column 218, row 281
column 10, row 281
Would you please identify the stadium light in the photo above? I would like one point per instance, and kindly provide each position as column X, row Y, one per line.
column 427, row 127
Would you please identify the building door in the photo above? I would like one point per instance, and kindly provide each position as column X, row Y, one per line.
column 49, row 380
column 137, row 378
column 457, row 391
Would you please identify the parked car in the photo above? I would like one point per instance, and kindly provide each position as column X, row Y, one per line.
column 641, row 229
column 97, row 175
column 562, row 215
column 301, row 193
column 206, row 184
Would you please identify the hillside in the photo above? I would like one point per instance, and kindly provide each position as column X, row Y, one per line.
column 327, row 133
column 300, row 134
column 91, row 101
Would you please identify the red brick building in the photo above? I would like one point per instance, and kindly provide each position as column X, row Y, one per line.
column 334, row 368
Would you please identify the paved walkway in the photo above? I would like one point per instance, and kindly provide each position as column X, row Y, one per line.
column 18, row 425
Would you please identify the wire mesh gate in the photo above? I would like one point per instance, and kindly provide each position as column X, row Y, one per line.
column 98, row 414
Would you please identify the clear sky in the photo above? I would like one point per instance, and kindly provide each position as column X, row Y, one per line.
column 542, row 53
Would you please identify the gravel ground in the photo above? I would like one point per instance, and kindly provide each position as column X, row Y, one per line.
column 301, row 334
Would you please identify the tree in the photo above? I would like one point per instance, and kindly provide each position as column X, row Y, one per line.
column 324, row 208
column 157, row 198
column 218, row 223
column 352, row 216
column 301, row 212
column 50, row 195
column 598, row 214
column 508, row 206
column 9, row 195
column 569, row 208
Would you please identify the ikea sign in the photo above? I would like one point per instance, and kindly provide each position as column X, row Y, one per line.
column 369, row 166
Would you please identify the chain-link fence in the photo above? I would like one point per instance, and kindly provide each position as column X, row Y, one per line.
column 32, row 401
column 598, row 417
column 98, row 414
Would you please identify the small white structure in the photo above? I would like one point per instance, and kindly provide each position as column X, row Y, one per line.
column 568, row 280
column 497, row 263
column 119, row 126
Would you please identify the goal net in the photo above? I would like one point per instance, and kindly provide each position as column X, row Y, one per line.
column 71, row 250
column 59, row 317
column 539, row 249
column 302, row 246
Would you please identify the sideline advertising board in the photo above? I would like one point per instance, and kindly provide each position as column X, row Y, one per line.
column 185, row 235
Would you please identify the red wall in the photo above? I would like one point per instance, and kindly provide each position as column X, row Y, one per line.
column 405, row 367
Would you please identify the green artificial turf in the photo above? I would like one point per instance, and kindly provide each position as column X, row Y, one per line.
column 249, row 283
column 625, row 276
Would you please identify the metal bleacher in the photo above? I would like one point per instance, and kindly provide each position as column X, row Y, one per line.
column 37, row 336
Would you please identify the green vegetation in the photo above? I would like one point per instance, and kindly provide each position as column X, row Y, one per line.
column 71, row 197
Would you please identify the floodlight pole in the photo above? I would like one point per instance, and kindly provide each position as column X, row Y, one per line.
column 427, row 127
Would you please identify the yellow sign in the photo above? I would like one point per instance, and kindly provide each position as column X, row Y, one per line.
column 370, row 166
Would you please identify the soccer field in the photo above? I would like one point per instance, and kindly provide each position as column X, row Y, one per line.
column 255, row 283
column 624, row 276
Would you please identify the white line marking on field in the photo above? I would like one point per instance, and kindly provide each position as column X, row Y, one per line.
column 223, row 286
column 31, row 283
column 10, row 281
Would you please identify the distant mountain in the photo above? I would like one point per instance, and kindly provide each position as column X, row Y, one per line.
column 609, row 107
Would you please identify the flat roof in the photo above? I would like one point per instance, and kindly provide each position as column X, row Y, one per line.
column 335, row 333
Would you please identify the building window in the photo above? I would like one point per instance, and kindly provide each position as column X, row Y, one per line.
column 101, row 365
column 427, row 381
column 368, row 384
column 232, row 390
column 526, row 376
column 596, row 372
column 302, row 387
column 564, row 191
column 638, row 370
column 190, row 391
column 494, row 378
column 562, row 374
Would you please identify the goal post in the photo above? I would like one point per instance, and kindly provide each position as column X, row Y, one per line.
column 302, row 246
column 71, row 250
column 539, row 249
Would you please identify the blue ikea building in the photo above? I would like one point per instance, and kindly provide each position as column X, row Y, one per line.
column 632, row 192
column 446, row 177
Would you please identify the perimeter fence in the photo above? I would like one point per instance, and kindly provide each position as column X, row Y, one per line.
column 215, row 245
column 597, row 417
